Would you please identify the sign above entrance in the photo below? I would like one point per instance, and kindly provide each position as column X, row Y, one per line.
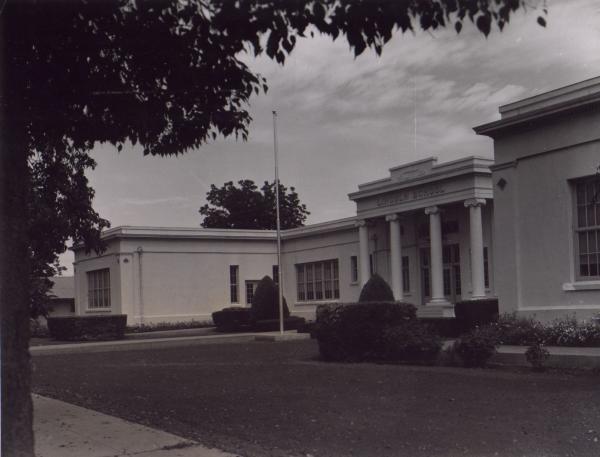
column 410, row 195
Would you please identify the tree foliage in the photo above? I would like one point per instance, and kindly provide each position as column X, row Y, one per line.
column 59, row 209
column 165, row 74
column 248, row 207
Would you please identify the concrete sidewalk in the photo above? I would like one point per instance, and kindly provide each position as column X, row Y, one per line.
column 65, row 430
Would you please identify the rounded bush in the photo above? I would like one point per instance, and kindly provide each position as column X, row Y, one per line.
column 376, row 290
column 265, row 303
column 352, row 332
column 477, row 347
column 410, row 342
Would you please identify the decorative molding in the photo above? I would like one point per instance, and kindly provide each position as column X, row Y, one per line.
column 475, row 202
column 432, row 210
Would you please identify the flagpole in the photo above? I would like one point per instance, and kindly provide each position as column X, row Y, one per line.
column 279, row 269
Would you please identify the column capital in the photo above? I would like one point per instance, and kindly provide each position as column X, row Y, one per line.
column 392, row 217
column 475, row 202
column 432, row 210
column 361, row 223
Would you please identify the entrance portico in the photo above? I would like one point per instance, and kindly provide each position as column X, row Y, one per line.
column 421, row 219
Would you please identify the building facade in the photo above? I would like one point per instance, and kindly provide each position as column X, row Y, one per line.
column 546, row 202
column 524, row 228
column 426, row 229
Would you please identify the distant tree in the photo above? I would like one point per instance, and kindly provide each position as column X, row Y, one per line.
column 248, row 207
column 165, row 74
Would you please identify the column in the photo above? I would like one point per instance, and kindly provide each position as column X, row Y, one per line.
column 363, row 257
column 476, row 239
column 395, row 255
column 437, row 265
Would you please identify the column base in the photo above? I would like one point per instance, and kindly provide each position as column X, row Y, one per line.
column 477, row 297
column 436, row 309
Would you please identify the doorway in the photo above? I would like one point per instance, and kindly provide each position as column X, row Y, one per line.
column 451, row 273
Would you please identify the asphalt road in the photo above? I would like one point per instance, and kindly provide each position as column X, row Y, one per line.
column 274, row 399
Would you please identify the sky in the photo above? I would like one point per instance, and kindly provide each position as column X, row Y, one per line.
column 343, row 120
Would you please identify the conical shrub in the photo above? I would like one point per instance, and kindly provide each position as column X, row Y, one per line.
column 265, row 303
column 376, row 290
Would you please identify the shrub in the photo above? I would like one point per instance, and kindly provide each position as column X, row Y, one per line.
column 233, row 319
column 162, row 326
column 82, row 328
column 569, row 332
column 272, row 325
column 511, row 329
column 476, row 347
column 411, row 341
column 352, row 332
column 265, row 303
column 376, row 290
column 475, row 313
column 536, row 355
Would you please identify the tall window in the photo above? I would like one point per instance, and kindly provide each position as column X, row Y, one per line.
column 99, row 289
column 405, row 274
column 587, row 233
column 353, row 268
column 318, row 280
column 234, row 271
column 276, row 274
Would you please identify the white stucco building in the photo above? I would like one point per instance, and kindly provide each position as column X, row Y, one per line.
column 546, row 202
column 426, row 228
column 525, row 228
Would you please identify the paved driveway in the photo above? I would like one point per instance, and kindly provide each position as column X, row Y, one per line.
column 262, row 399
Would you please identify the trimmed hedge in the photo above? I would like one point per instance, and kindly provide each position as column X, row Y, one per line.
column 475, row 313
column 353, row 332
column 476, row 347
column 234, row 319
column 376, row 290
column 265, row 303
column 272, row 325
column 412, row 342
column 85, row 328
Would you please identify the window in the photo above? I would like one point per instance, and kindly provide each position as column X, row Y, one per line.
column 250, row 289
column 234, row 271
column 587, row 233
column 276, row 274
column 371, row 265
column 99, row 289
column 405, row 274
column 353, row 269
column 318, row 280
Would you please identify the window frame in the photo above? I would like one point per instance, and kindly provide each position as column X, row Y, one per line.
column 588, row 229
column 99, row 290
column 318, row 281
column 234, row 284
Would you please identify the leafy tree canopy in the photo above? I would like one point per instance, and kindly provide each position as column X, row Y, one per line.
column 168, row 74
column 60, row 208
column 248, row 207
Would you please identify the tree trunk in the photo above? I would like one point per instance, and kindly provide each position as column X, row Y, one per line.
column 17, row 413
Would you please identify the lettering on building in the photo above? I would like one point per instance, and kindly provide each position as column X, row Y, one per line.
column 410, row 195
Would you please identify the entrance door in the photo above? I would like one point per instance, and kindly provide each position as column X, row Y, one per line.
column 250, row 289
column 451, row 273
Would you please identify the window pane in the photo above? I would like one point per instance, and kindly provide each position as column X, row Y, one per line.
column 583, row 244
column 583, row 265
column 580, row 194
column 591, row 216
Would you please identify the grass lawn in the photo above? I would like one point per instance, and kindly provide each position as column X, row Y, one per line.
column 274, row 399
